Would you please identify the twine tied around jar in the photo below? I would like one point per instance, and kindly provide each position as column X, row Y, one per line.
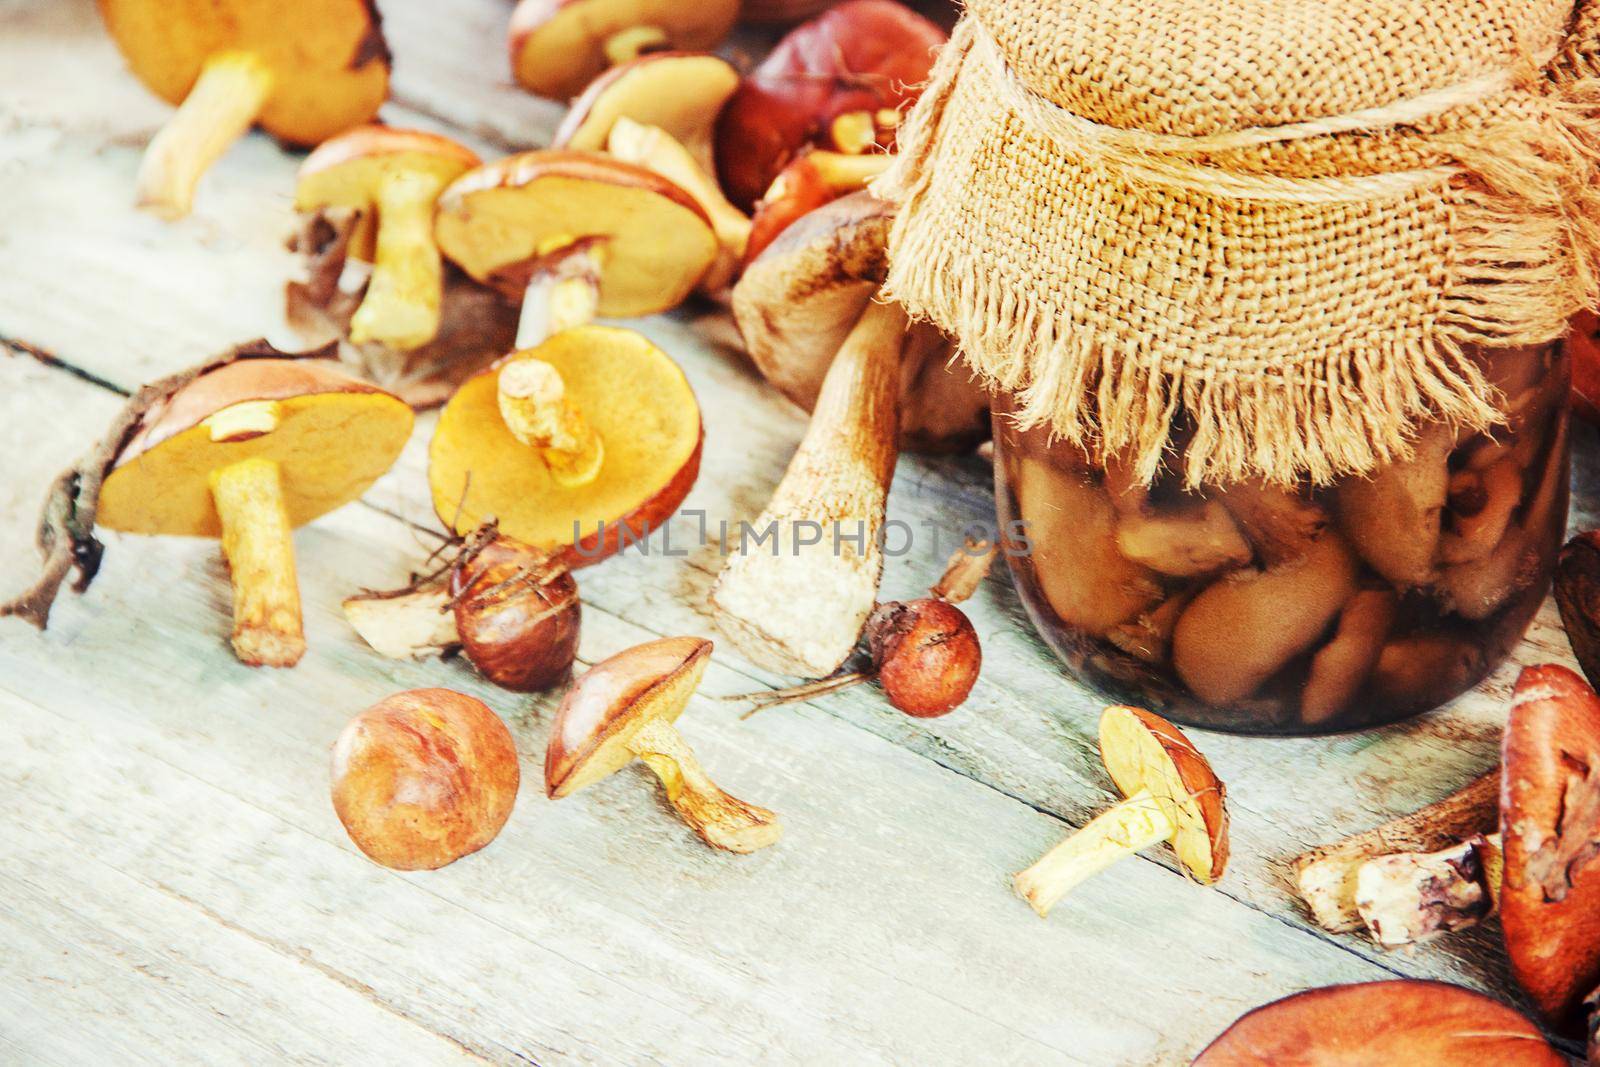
column 1295, row 295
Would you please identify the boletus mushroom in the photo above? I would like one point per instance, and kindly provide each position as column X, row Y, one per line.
column 681, row 93
column 303, row 70
column 623, row 709
column 246, row 453
column 1171, row 795
column 424, row 777
column 1377, row 1024
column 396, row 176
column 840, row 81
column 578, row 447
column 559, row 46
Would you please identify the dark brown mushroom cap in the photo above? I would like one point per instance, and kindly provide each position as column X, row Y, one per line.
column 1550, row 830
column 1143, row 751
column 1382, row 1024
column 328, row 58
column 588, row 740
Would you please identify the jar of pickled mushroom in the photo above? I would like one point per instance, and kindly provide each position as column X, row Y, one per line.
column 1273, row 328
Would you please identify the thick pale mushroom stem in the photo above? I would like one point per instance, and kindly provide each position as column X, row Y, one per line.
column 1130, row 827
column 1406, row 897
column 841, row 172
column 799, row 606
column 401, row 308
column 721, row 820
column 563, row 294
column 259, row 548
column 657, row 150
column 634, row 42
column 223, row 104
column 537, row 410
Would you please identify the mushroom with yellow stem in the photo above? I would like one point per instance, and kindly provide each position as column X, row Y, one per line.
column 805, row 185
column 681, row 92
column 1171, row 795
column 304, row 70
column 559, row 46
column 623, row 710
column 246, row 453
column 396, row 175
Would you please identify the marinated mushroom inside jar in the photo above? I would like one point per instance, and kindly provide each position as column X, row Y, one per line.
column 1296, row 609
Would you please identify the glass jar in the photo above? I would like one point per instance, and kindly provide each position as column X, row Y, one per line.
column 1277, row 610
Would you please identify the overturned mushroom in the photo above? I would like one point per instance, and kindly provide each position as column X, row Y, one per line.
column 679, row 92
column 1171, row 795
column 246, row 453
column 623, row 709
column 1402, row 1021
column 840, row 82
column 558, row 46
column 578, row 447
column 303, row 69
column 396, row 175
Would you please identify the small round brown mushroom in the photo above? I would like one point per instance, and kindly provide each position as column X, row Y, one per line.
column 622, row 710
column 576, row 235
column 303, row 70
column 424, row 777
column 680, row 92
column 1172, row 795
column 1550, row 839
column 517, row 616
column 247, row 453
column 559, row 46
column 396, row 175
column 1379, row 1024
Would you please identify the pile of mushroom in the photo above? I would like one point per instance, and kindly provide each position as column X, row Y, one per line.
column 303, row 70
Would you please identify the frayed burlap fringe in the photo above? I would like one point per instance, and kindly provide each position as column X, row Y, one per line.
column 1491, row 239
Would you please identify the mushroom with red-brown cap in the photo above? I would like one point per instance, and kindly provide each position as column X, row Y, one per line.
column 840, row 81
column 246, row 453
column 623, row 709
column 814, row 325
column 1171, row 794
column 680, row 92
column 303, row 70
column 559, row 46
column 1379, row 1024
column 395, row 176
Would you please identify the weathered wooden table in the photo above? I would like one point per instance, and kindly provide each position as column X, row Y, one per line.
column 174, row 885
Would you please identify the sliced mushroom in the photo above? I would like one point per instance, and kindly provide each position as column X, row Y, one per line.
column 396, row 175
column 1403, row 1021
column 1172, row 795
column 246, row 453
column 839, row 81
column 579, row 447
column 623, row 709
column 559, row 46
column 679, row 92
column 303, row 69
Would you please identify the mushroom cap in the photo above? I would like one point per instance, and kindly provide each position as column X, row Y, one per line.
column 328, row 57
column 631, row 393
column 1403, row 1021
column 558, row 46
column 603, row 709
column 335, row 437
column 424, row 777
column 681, row 92
column 1550, row 831
column 1142, row 750
column 657, row 240
column 798, row 300
column 346, row 171
column 861, row 55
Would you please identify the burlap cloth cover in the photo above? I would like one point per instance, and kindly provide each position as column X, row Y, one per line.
column 1282, row 218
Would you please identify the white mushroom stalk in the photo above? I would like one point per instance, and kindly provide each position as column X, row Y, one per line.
column 1132, row 826
column 564, row 291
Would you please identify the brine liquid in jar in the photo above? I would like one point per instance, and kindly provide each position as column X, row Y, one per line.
column 1263, row 608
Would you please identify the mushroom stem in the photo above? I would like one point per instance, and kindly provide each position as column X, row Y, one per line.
column 634, row 42
column 537, row 410
column 841, row 171
column 223, row 104
column 1133, row 825
column 1406, row 897
column 401, row 308
column 260, row 553
column 562, row 295
column 657, row 150
column 854, row 132
column 799, row 607
column 721, row 820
